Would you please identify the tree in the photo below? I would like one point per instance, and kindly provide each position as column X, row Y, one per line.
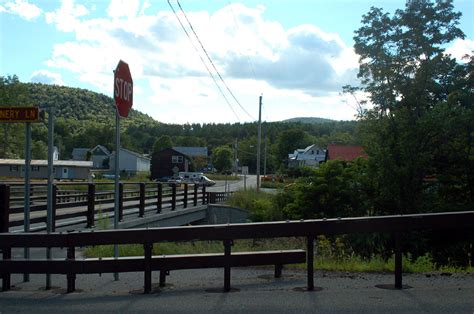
column 290, row 140
column 222, row 158
column 12, row 93
column 408, row 76
column 163, row 142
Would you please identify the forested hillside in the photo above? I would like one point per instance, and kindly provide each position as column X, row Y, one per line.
column 85, row 119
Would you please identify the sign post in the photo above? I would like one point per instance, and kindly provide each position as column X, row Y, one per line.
column 123, row 96
column 25, row 115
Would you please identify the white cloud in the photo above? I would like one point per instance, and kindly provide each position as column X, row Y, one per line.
column 22, row 8
column 46, row 77
column 66, row 17
column 460, row 48
column 124, row 8
column 304, row 66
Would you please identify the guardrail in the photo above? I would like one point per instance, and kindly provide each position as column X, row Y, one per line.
column 84, row 200
column 226, row 233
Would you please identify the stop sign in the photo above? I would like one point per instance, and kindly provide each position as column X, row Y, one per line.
column 123, row 88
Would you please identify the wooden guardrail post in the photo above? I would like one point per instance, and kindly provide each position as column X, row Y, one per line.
column 159, row 200
column 195, row 195
column 120, row 217
column 141, row 210
column 148, row 248
column 185, row 200
column 71, row 276
column 4, row 227
column 204, row 195
column 398, row 261
column 211, row 197
column 227, row 252
column 54, row 207
column 310, row 262
column 4, row 207
column 90, row 205
column 173, row 196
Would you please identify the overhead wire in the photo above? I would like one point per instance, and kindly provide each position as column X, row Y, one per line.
column 202, row 60
column 210, row 60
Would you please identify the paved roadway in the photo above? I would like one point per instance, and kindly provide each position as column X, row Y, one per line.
column 194, row 291
column 250, row 181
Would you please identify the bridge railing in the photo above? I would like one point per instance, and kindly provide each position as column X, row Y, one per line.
column 84, row 201
column 398, row 225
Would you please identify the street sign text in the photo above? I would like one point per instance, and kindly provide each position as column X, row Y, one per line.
column 19, row 114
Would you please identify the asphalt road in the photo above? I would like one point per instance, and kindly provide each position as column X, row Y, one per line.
column 249, row 181
column 194, row 291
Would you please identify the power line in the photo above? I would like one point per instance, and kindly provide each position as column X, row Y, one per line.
column 210, row 60
column 202, row 60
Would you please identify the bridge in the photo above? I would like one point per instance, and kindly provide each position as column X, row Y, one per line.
column 86, row 205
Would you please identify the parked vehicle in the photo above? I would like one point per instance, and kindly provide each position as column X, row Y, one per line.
column 191, row 177
column 205, row 181
column 175, row 181
column 109, row 176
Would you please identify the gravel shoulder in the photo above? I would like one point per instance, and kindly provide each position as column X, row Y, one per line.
column 256, row 291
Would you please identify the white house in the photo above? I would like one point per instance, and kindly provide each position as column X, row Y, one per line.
column 130, row 162
column 311, row 156
column 100, row 157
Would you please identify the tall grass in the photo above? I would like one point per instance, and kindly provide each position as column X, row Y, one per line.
column 325, row 258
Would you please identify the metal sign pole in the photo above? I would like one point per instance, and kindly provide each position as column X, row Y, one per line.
column 26, row 277
column 117, row 173
column 49, row 218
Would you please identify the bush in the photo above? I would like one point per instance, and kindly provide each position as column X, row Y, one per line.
column 261, row 205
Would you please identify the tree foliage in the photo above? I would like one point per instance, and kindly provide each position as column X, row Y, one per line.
column 222, row 158
column 412, row 84
column 163, row 142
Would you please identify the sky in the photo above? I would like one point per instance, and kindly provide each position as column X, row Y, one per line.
column 296, row 54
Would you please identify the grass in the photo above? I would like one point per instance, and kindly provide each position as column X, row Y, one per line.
column 324, row 260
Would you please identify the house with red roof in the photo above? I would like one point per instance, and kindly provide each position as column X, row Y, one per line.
column 344, row 152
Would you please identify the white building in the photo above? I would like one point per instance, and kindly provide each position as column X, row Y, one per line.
column 130, row 162
column 311, row 156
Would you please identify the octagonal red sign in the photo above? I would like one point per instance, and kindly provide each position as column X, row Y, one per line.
column 123, row 89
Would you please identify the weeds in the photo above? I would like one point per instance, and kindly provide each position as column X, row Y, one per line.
column 330, row 255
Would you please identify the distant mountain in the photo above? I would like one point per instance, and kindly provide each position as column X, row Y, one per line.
column 309, row 120
column 81, row 107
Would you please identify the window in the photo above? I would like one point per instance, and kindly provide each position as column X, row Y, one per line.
column 14, row 168
column 177, row 159
column 35, row 168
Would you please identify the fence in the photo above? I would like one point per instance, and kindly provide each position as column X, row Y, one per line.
column 83, row 200
column 226, row 233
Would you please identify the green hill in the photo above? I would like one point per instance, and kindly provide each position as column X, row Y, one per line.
column 308, row 120
column 81, row 107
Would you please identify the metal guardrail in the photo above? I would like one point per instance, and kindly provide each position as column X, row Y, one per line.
column 227, row 233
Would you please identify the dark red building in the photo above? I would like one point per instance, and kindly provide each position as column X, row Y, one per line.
column 344, row 152
column 168, row 163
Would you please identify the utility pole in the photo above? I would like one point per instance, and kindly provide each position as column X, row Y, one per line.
column 265, row 157
column 259, row 141
column 236, row 165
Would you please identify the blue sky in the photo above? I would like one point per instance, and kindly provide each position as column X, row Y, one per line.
column 297, row 53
